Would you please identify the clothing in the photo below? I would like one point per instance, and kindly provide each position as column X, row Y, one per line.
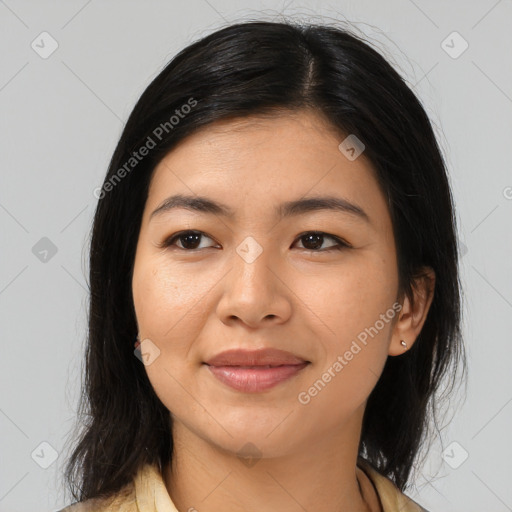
column 148, row 493
column 391, row 499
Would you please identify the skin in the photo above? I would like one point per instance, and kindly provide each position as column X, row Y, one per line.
column 195, row 303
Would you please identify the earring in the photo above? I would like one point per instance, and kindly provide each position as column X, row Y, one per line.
column 137, row 342
column 403, row 343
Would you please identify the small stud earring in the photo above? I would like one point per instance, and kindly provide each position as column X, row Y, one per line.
column 137, row 342
column 403, row 343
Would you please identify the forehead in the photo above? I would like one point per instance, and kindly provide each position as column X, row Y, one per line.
column 268, row 159
column 285, row 124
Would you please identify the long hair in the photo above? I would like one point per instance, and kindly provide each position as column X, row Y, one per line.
column 260, row 68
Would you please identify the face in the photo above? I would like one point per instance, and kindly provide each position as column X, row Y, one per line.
column 313, row 279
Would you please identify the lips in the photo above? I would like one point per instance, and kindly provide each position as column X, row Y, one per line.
column 255, row 371
column 269, row 357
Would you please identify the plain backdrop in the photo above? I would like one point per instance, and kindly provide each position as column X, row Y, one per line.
column 70, row 74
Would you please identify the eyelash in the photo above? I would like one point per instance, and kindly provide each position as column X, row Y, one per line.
column 340, row 244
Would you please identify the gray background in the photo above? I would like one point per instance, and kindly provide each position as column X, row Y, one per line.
column 60, row 119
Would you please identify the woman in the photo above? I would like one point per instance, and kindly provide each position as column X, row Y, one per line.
column 274, row 284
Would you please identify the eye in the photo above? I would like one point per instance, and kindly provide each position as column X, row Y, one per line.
column 313, row 241
column 190, row 240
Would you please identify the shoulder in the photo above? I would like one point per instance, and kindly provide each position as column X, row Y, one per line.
column 390, row 496
column 123, row 501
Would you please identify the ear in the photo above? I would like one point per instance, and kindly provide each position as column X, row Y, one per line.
column 414, row 312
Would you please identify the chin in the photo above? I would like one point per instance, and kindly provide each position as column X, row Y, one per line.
column 253, row 442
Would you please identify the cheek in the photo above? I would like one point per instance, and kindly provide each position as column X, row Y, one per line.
column 356, row 313
column 170, row 305
column 355, row 349
column 351, row 298
column 170, row 316
column 167, row 299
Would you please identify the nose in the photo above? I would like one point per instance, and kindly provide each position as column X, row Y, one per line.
column 255, row 292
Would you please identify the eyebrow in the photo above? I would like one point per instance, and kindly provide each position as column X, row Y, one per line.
column 287, row 209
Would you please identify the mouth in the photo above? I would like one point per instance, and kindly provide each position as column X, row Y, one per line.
column 254, row 371
column 255, row 379
column 266, row 357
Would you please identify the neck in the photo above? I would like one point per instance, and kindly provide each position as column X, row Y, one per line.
column 319, row 475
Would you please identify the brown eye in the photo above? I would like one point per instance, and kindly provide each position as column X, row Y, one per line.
column 314, row 240
column 191, row 240
column 187, row 240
